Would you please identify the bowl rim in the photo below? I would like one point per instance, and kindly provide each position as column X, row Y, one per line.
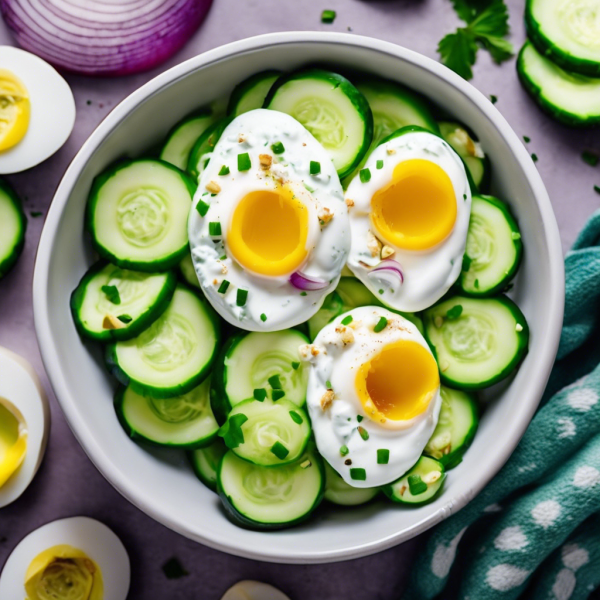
column 544, row 359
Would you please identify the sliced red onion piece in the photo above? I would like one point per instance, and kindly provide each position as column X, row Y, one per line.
column 387, row 274
column 307, row 283
column 104, row 37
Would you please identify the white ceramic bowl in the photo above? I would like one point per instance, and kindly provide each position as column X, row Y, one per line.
column 165, row 487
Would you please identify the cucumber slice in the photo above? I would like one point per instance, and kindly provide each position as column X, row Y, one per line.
column 331, row 308
column 479, row 343
column 469, row 150
column 494, row 248
column 202, row 150
column 13, row 224
column 566, row 32
column 107, row 292
column 206, row 461
column 331, row 108
column 247, row 362
column 183, row 136
column 570, row 98
column 174, row 354
column 270, row 497
column 337, row 491
column 186, row 268
column 251, row 93
column 267, row 433
column 456, row 427
column 137, row 214
column 420, row 485
column 184, row 421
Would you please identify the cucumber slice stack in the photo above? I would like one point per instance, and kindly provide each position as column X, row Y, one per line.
column 12, row 228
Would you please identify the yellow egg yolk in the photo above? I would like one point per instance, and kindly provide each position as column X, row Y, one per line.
column 13, row 441
column 14, row 110
column 417, row 209
column 398, row 383
column 268, row 232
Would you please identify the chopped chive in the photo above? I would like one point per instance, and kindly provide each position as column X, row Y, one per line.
column 279, row 450
column 315, row 167
column 381, row 292
column 277, row 148
column 347, row 320
column 125, row 318
column 359, row 418
column 534, row 158
column 464, row 196
column 224, row 257
column 466, row 263
column 202, row 207
column 597, row 189
column 243, row 162
column 274, row 382
column 259, row 394
column 172, row 569
column 365, row 175
column 364, row 434
column 36, row 213
column 526, row 139
column 231, row 431
column 296, row 417
column 214, row 228
column 277, row 394
column 454, row 312
column 344, row 450
column 224, row 170
column 493, row 99
column 328, row 385
column 416, row 485
column 476, row 284
column 112, row 293
column 383, row 456
column 379, row 164
column 328, row 16
column 515, row 235
column 295, row 365
column 381, row 325
column 590, row 158
column 242, row 296
column 358, row 474
column 223, row 287
column 263, row 317
column 303, row 294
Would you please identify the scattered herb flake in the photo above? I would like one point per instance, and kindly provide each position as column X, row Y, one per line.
column 36, row 213
column 365, row 175
column 242, row 296
column 172, row 569
column 202, row 207
column 279, row 450
column 597, row 189
column 534, row 158
column 231, row 431
column 381, row 291
column 277, row 148
column 277, row 394
column 296, row 417
column 112, row 293
column 476, row 284
column 224, row 171
column 243, row 162
column 380, row 325
column 263, row 317
column 214, row 229
column 223, row 287
column 315, row 167
column 383, row 456
column 328, row 16
column 344, row 450
column 328, row 385
column 274, row 382
column 359, row 418
column 125, row 318
column 379, row 164
column 303, row 294
column 590, row 158
column 364, row 434
column 454, row 312
column 493, row 99
column 416, row 485
column 526, row 139
column 347, row 320
column 358, row 474
column 295, row 365
column 306, row 464
column 515, row 235
column 259, row 394
column 466, row 263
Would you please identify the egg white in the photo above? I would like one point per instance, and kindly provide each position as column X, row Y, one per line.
column 328, row 245
column 337, row 425
column 428, row 274
column 88, row 535
column 52, row 110
column 253, row 590
column 21, row 387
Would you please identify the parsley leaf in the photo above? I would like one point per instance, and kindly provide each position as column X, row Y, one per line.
column 458, row 51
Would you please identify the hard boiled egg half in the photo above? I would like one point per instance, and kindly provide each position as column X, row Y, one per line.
column 24, row 425
column 77, row 558
column 37, row 110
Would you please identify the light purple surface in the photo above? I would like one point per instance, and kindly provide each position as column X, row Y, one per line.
column 68, row 484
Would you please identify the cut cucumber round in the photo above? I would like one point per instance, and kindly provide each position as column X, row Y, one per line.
column 174, row 354
column 267, row 433
column 330, row 309
column 206, row 461
column 203, row 148
column 567, row 32
column 469, row 150
column 186, row 268
column 251, row 93
column 111, row 303
column 337, row 491
column 13, row 224
column 420, row 485
column 331, row 108
column 570, row 98
column 476, row 341
column 270, row 497
column 494, row 248
column 183, row 136
column 137, row 214
column 456, row 427
column 184, row 421
column 249, row 362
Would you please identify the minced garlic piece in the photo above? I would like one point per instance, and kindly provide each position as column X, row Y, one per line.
column 327, row 399
column 431, row 477
column 387, row 251
column 349, row 202
column 325, row 215
column 111, row 322
column 213, row 187
column 373, row 244
column 265, row 161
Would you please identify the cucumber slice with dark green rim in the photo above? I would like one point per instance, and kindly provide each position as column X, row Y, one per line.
column 184, row 421
column 249, row 360
column 456, row 427
column 137, row 214
column 183, row 136
column 469, row 150
column 420, row 485
column 174, row 354
column 494, row 248
column 331, row 108
column 206, row 461
column 186, row 268
column 337, row 491
column 139, row 299
column 251, row 93
column 331, row 308
column 273, row 433
column 566, row 32
column 477, row 341
column 13, row 224
column 203, row 148
column 270, row 497
column 570, row 98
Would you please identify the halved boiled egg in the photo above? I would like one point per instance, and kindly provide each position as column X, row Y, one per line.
column 77, row 558
column 24, row 425
column 253, row 590
column 37, row 110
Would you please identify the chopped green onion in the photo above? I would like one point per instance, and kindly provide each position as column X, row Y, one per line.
column 277, row 148
column 347, row 320
column 315, row 167
column 380, row 325
column 303, row 294
column 466, row 263
column 416, row 485
column 515, row 235
column 364, row 434
column 279, row 450
column 242, row 296
column 224, row 257
column 358, row 474
column 493, row 99
column 295, row 365
column 590, row 158
column 223, row 287
column 277, row 394
column 243, row 162
column 259, row 394
column 454, row 312
column 597, row 189
column 476, row 284
column 297, row 418
column 344, row 450
column 534, row 158
column 526, row 139
column 379, row 164
column 125, row 318
column 224, row 170
column 231, row 431
column 274, row 382
column 172, row 569
column 263, row 317
column 328, row 16
column 381, row 292
column 365, row 175
column 112, row 293
column 359, row 418
column 328, row 385
column 214, row 228
column 383, row 457
column 202, row 207
column 36, row 213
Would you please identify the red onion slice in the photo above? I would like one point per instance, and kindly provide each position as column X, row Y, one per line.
column 306, row 283
column 387, row 274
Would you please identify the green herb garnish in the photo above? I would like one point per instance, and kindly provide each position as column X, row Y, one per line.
column 112, row 293
column 364, row 434
column 534, row 158
column 274, row 382
column 328, row 16
column 383, row 457
column 214, row 229
column 359, row 418
column 279, row 450
column 466, row 263
column 597, row 189
column 344, row 450
column 296, row 417
column 380, row 325
column 243, row 162
column 277, row 394
column 259, row 394
column 526, row 139
column 223, row 287
column 303, row 294
column 36, row 213
column 263, row 317
column 365, row 175
column 125, row 318
column 454, row 312
column 416, row 485
column 358, row 474
column 315, row 167
column 590, row 158
column 224, row 171
column 295, row 365
column 493, row 99
column 476, row 284
column 277, row 148
column 231, row 431
column 202, row 208
column 242, row 296
column 172, row 569
column 347, row 320
column 328, row 385
column 379, row 164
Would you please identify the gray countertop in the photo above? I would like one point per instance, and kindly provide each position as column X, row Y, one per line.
column 68, row 484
